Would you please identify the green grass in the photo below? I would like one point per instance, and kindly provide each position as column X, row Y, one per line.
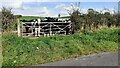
column 19, row 51
column 33, row 17
column 30, row 17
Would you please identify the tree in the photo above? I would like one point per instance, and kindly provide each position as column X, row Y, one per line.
column 83, row 19
column 8, row 19
column 96, row 20
column 115, row 18
column 108, row 18
column 118, row 15
column 58, row 15
column 74, row 17
column 91, row 15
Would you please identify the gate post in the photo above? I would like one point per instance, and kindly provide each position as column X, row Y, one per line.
column 18, row 27
column 50, row 29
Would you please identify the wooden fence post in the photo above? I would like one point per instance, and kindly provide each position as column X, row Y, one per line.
column 50, row 29
column 18, row 27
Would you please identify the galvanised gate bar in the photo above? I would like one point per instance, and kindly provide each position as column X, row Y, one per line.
column 38, row 28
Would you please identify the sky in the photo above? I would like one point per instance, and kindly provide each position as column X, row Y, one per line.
column 52, row 8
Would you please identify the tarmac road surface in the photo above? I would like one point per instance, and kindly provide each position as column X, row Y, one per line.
column 101, row 59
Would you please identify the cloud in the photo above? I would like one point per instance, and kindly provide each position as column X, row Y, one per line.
column 18, row 8
column 11, row 3
column 60, row 6
column 64, row 13
column 18, row 3
column 84, row 10
column 70, row 8
column 64, row 8
column 38, row 11
column 40, row 0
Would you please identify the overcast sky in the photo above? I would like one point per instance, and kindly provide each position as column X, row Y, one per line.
column 54, row 7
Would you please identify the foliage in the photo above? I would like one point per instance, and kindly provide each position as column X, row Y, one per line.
column 8, row 19
column 93, row 19
column 19, row 51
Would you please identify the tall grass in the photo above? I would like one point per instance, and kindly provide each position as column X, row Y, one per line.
column 19, row 51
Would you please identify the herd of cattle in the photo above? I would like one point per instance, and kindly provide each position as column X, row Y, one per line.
column 60, row 24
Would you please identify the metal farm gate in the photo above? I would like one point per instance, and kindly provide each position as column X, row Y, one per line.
column 36, row 29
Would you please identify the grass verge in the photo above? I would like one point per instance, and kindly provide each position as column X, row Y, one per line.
column 19, row 51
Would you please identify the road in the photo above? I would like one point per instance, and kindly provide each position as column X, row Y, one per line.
column 101, row 59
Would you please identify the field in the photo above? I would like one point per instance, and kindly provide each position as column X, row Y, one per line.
column 33, row 17
column 19, row 51
column 30, row 17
